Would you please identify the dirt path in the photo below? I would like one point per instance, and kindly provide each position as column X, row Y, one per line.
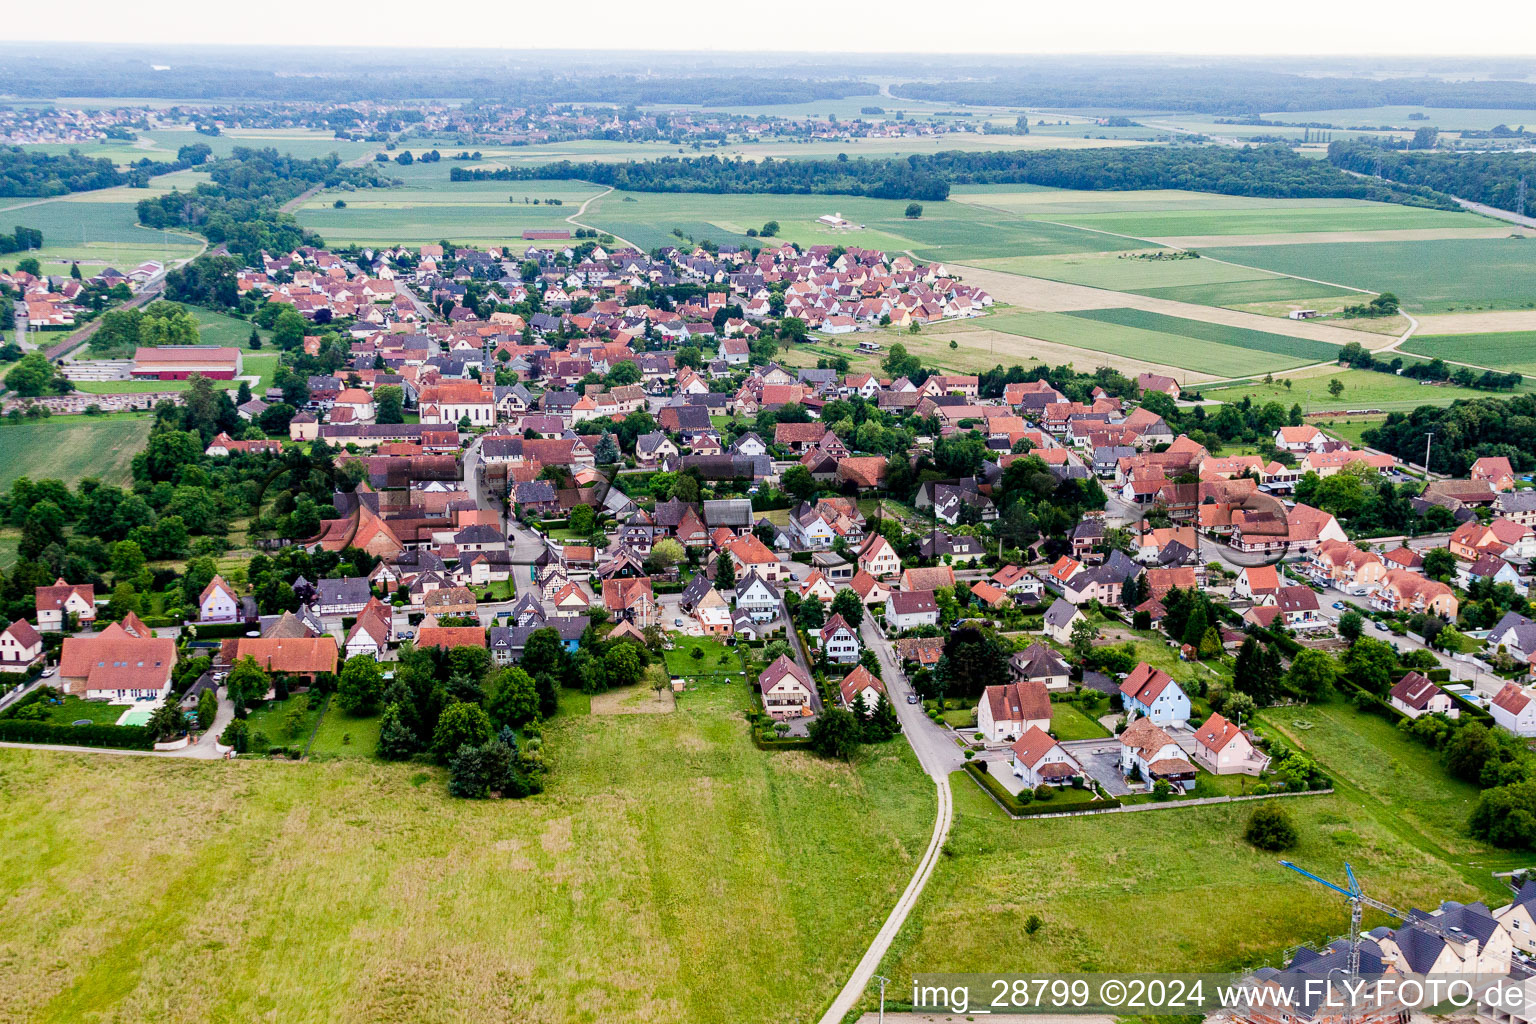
column 581, row 211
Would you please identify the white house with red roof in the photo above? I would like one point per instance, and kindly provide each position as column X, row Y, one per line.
column 1039, row 760
column 861, row 682
column 1152, row 693
column 218, row 603
column 1416, row 694
column 839, row 641
column 1008, row 711
column 1222, row 748
column 57, row 603
column 21, row 646
column 1514, row 709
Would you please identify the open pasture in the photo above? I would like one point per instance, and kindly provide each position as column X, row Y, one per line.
column 98, row 234
column 670, row 872
column 1508, row 350
column 432, row 208
column 1363, row 389
column 1429, row 276
column 71, row 448
column 1106, row 886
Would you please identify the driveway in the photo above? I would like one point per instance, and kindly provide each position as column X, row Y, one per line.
column 1101, row 759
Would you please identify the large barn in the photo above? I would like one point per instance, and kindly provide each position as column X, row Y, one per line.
column 178, row 362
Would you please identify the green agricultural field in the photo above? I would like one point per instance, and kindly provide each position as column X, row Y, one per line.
column 1205, row 282
column 1163, row 213
column 1363, row 389
column 71, row 448
column 946, row 231
column 430, row 208
column 671, row 872
column 1511, row 350
column 1447, row 118
column 1194, row 345
column 1432, row 276
column 98, row 234
column 219, row 329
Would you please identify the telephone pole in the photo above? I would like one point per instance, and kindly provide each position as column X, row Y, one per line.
column 1428, row 437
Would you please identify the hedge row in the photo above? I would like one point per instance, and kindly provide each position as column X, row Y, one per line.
column 124, row 737
column 221, row 630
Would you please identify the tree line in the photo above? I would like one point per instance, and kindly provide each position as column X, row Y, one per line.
column 1247, row 171
column 1465, row 431
column 1492, row 179
column 241, row 204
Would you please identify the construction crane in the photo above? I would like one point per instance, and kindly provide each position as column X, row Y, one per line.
column 1358, row 901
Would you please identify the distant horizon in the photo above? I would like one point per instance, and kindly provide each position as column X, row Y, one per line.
column 1310, row 29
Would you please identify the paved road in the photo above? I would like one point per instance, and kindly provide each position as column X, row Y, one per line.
column 939, row 756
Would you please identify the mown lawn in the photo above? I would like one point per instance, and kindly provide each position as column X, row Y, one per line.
column 714, row 657
column 269, row 719
column 344, row 735
column 671, row 872
column 1068, row 722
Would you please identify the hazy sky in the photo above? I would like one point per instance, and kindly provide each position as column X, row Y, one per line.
column 1301, row 27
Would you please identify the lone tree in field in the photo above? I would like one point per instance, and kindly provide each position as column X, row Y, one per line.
column 914, row 211
column 1335, row 387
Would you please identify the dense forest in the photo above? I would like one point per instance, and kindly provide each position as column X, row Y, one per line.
column 1247, row 171
column 1214, row 90
column 1464, row 432
column 241, row 206
column 29, row 173
column 1489, row 178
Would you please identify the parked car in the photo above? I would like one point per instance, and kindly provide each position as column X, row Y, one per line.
column 677, row 622
column 911, row 698
column 1339, row 605
column 1379, row 625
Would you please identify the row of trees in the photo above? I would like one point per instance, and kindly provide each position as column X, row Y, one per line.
column 1247, row 171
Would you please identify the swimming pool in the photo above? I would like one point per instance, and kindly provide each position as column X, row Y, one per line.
column 135, row 716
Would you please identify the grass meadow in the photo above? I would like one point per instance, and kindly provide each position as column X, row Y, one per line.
column 71, row 448
column 1509, row 350
column 670, row 872
column 1363, row 389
